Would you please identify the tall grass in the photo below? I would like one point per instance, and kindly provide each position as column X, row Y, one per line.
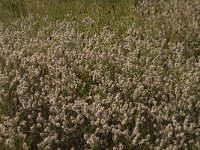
column 17, row 8
column 114, row 14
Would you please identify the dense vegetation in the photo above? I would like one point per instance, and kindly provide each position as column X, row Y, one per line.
column 99, row 74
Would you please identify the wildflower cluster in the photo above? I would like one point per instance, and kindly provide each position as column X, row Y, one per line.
column 67, row 90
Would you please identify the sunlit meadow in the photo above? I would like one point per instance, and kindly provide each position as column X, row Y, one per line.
column 115, row 76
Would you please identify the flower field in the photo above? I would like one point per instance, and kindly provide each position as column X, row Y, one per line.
column 84, row 84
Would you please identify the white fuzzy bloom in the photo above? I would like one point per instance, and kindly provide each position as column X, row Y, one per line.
column 78, row 85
